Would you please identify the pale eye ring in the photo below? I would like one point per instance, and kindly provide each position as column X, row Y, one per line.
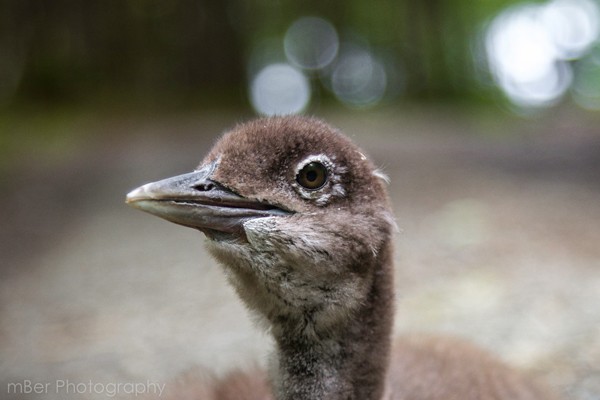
column 313, row 176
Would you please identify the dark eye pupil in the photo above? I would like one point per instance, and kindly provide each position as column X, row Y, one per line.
column 313, row 176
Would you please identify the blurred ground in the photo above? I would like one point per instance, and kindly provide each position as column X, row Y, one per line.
column 499, row 242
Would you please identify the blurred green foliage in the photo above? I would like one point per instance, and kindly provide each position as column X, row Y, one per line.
column 178, row 51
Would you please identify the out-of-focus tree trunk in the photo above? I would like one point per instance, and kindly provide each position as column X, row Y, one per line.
column 434, row 45
column 73, row 48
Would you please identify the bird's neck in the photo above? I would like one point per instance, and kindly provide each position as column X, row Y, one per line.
column 348, row 363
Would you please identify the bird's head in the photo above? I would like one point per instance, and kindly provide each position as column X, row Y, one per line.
column 290, row 205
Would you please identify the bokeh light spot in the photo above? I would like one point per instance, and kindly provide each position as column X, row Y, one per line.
column 279, row 89
column 519, row 46
column 528, row 47
column 311, row 43
column 543, row 91
column 358, row 78
column 573, row 25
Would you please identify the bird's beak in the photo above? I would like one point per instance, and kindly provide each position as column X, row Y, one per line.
column 196, row 201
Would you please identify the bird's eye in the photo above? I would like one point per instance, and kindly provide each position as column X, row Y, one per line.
column 312, row 176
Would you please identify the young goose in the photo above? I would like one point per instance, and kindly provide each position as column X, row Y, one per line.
column 301, row 221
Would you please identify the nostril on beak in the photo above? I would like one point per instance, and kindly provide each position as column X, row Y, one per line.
column 204, row 186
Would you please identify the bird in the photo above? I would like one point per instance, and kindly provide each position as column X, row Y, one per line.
column 301, row 221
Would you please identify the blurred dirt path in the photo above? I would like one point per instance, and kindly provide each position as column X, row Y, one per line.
column 499, row 242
